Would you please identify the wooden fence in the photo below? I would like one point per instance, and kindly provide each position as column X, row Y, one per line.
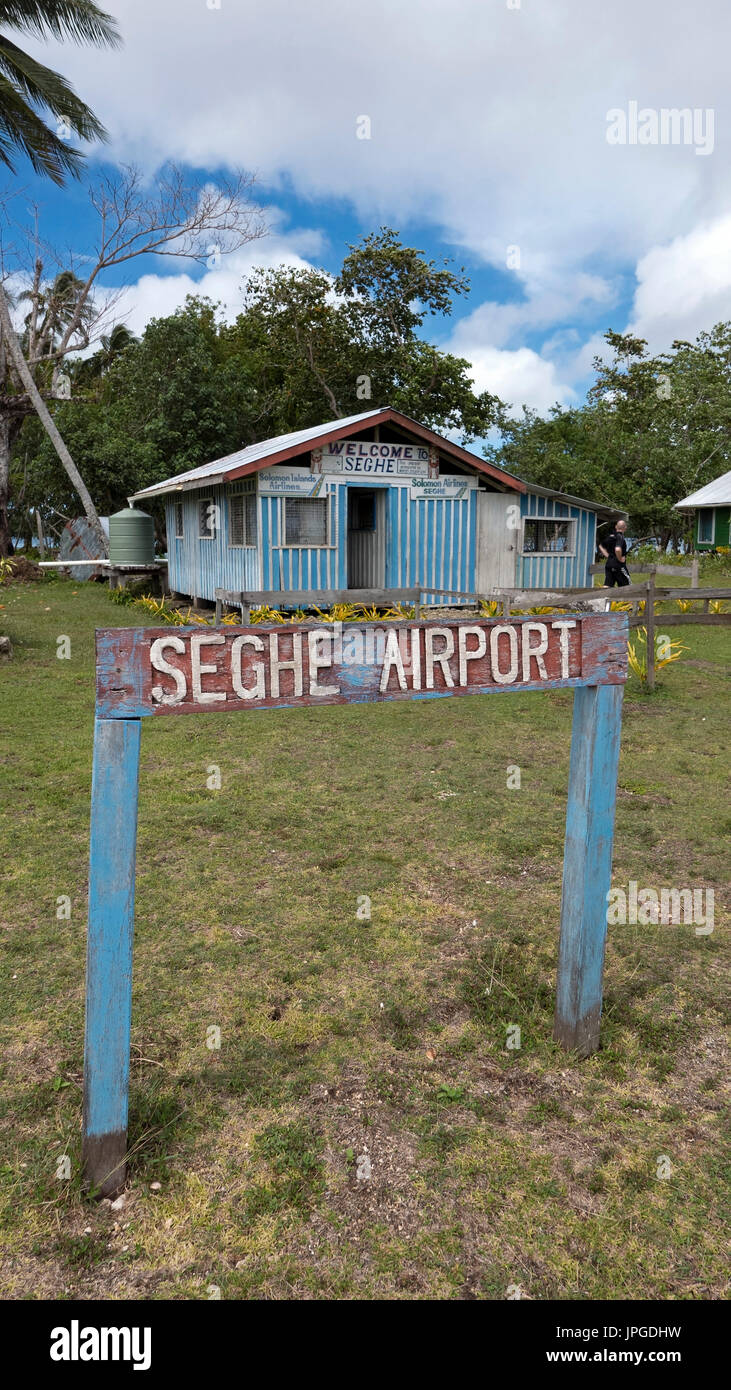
column 509, row 600
column 247, row 599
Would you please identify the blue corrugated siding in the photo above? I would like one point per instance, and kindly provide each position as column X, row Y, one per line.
column 428, row 541
column 558, row 571
column 300, row 567
column 431, row 541
column 197, row 566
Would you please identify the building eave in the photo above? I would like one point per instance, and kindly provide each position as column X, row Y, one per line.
column 506, row 481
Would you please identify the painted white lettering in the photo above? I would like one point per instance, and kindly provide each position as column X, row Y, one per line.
column 416, row 658
column 294, row 664
column 563, row 626
column 438, row 658
column 257, row 690
column 537, row 652
column 504, row 677
column 158, row 663
column 320, row 659
column 465, row 654
column 198, row 640
column 392, row 658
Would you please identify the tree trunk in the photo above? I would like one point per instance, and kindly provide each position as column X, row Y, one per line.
column 46, row 419
column 5, row 542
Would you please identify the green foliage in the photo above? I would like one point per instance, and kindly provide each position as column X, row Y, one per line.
column 652, row 430
column 194, row 388
column 26, row 86
column 321, row 355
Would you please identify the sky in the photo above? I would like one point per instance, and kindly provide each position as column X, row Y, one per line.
column 523, row 138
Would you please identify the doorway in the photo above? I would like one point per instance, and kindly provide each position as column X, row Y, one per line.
column 366, row 538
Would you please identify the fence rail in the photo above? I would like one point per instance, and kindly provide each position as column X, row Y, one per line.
column 247, row 599
column 509, row 599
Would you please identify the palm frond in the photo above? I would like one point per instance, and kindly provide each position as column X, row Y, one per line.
column 79, row 20
column 21, row 129
column 44, row 87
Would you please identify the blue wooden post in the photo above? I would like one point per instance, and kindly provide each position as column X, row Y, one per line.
column 587, row 867
column 109, row 951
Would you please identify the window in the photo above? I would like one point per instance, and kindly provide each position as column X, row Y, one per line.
column 548, row 537
column 242, row 519
column 207, row 519
column 706, row 518
column 305, row 521
column 179, row 520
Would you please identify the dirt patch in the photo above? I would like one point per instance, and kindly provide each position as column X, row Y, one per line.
column 23, row 571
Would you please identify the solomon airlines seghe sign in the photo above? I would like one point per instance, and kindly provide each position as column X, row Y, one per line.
column 143, row 671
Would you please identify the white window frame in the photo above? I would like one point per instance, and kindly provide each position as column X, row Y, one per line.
column 707, row 540
column 552, row 554
column 179, row 510
column 304, row 545
column 242, row 496
column 209, row 535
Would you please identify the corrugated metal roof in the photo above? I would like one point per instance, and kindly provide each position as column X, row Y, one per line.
column 601, row 508
column 715, row 494
column 284, row 446
column 253, row 453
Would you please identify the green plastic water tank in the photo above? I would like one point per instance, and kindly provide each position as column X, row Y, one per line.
column 131, row 538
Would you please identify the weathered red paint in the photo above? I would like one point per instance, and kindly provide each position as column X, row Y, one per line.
column 144, row 671
column 506, row 481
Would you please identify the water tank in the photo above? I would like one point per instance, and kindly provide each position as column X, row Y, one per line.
column 131, row 538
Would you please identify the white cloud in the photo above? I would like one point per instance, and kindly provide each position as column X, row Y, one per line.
column 519, row 377
column 684, row 286
column 157, row 295
column 488, row 122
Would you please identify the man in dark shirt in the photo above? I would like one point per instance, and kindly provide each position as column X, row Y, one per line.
column 615, row 550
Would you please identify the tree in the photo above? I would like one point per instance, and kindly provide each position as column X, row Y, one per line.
column 329, row 348
column 166, row 403
column 179, row 218
column 26, row 85
column 195, row 388
column 652, row 430
column 111, row 347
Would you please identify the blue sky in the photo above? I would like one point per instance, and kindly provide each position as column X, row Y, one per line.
column 493, row 124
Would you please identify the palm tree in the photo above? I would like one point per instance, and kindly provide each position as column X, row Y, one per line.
column 93, row 369
column 112, row 346
column 27, row 87
column 52, row 310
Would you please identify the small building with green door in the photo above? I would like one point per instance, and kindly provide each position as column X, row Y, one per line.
column 711, row 507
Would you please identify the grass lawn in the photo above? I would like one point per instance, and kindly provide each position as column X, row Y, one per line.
column 348, row 1044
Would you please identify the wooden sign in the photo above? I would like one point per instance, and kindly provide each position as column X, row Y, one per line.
column 150, row 671
column 373, row 459
column 289, row 482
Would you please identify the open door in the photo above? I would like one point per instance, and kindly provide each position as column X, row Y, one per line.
column 497, row 542
column 366, row 538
